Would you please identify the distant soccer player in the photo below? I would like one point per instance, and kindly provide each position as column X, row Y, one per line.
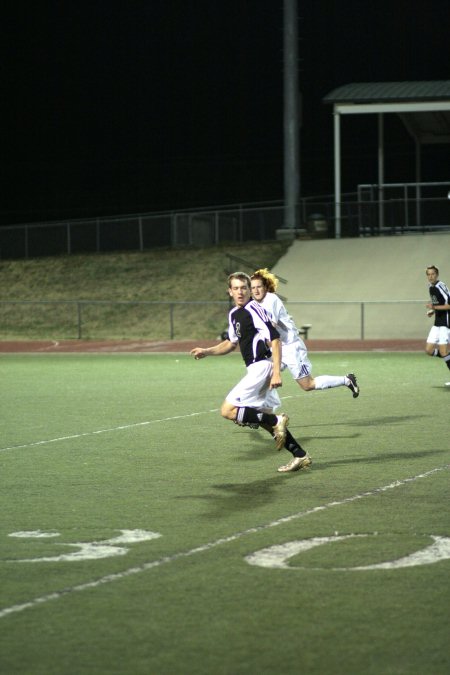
column 253, row 400
column 294, row 351
column 439, row 307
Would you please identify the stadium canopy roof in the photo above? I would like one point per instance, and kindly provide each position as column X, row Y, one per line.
column 424, row 108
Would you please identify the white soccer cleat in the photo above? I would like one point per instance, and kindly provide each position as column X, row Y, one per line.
column 296, row 464
column 279, row 430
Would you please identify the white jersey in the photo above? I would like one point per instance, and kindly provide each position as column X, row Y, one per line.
column 294, row 354
column 284, row 323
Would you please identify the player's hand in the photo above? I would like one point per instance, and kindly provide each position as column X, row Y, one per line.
column 198, row 353
column 275, row 382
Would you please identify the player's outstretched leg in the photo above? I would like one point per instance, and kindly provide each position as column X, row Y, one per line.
column 353, row 385
column 283, row 437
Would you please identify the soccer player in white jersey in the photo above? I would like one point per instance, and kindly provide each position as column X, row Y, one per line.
column 294, row 351
column 253, row 400
column 439, row 307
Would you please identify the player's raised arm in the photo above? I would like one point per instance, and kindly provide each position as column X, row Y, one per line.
column 224, row 347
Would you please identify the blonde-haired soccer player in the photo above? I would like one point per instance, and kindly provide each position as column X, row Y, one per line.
column 294, row 351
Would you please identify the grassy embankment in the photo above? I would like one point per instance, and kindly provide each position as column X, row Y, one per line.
column 157, row 276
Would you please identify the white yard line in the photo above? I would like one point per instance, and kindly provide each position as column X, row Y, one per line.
column 111, row 429
column 35, row 602
column 105, row 431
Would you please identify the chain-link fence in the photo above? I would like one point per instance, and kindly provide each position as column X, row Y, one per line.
column 84, row 319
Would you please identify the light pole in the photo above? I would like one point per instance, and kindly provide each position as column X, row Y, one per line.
column 291, row 118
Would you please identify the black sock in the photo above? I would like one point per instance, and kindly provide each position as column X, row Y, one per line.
column 251, row 416
column 292, row 445
column 447, row 360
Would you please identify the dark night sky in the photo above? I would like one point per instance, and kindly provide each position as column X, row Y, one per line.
column 115, row 107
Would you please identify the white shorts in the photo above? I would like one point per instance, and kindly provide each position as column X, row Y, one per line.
column 253, row 390
column 438, row 335
column 295, row 357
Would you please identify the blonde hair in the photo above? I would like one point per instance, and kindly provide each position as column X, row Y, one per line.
column 269, row 280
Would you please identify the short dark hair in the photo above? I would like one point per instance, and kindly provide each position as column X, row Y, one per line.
column 432, row 267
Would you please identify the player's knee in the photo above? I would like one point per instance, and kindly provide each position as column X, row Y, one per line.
column 228, row 411
column 307, row 383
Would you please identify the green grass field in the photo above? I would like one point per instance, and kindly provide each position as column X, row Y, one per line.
column 127, row 457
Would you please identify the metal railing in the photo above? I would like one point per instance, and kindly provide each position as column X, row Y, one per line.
column 195, row 228
column 108, row 319
column 413, row 208
column 403, row 207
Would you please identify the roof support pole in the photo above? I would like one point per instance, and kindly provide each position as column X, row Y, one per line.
column 380, row 171
column 337, row 174
column 418, row 180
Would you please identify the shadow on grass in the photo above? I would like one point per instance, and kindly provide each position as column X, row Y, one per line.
column 381, row 458
column 235, row 497
column 368, row 422
column 252, row 445
column 263, row 438
column 262, row 445
column 238, row 496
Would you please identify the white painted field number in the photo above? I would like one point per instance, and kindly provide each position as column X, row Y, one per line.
column 272, row 557
column 277, row 557
column 91, row 550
